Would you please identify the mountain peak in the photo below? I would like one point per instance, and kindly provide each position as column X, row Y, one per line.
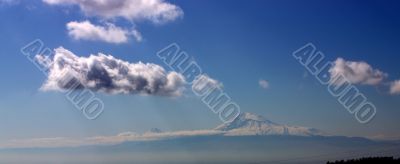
column 251, row 116
column 245, row 120
column 155, row 130
column 253, row 124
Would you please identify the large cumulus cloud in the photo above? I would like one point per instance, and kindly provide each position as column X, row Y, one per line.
column 104, row 73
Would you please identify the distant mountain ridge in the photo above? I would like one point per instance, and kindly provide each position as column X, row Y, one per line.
column 246, row 124
column 249, row 138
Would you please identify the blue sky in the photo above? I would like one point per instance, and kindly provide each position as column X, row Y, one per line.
column 235, row 42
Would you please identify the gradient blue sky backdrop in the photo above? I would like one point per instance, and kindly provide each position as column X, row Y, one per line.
column 235, row 42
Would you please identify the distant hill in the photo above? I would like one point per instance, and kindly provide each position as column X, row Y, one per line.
column 383, row 160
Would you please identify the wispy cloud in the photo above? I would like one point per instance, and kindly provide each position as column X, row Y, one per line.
column 109, row 33
column 156, row 11
column 137, row 35
column 102, row 140
column 104, row 73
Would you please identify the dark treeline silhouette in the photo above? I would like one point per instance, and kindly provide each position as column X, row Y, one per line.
column 383, row 160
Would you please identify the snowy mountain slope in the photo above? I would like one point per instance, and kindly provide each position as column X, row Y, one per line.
column 252, row 124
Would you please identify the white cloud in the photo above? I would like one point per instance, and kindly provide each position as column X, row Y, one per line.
column 104, row 73
column 395, row 87
column 263, row 84
column 137, row 35
column 109, row 33
column 156, row 11
column 357, row 72
column 130, row 136
column 204, row 82
column 103, row 140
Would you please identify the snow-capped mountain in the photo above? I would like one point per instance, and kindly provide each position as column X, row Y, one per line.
column 252, row 124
